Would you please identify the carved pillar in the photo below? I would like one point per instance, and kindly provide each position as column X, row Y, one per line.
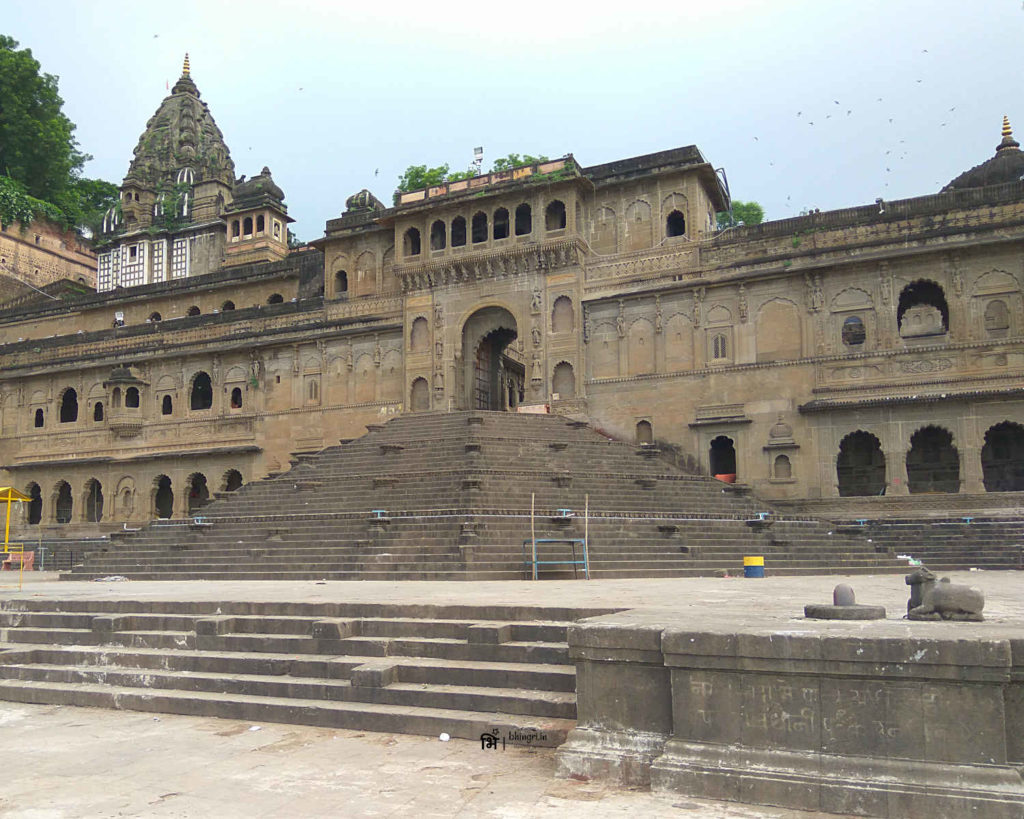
column 896, row 473
column 972, row 478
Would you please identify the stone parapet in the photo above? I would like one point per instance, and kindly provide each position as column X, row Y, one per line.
column 884, row 718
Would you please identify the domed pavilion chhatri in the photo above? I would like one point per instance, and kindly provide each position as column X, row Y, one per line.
column 851, row 362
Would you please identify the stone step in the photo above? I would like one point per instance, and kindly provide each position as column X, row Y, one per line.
column 559, row 705
column 364, row 716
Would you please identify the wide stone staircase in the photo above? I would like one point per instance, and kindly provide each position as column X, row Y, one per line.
column 947, row 544
column 417, row 669
column 448, row 496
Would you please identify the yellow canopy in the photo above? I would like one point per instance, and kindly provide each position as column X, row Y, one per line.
column 9, row 494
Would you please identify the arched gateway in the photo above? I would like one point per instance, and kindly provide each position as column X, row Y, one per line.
column 494, row 377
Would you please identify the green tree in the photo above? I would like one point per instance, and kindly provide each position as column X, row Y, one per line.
column 743, row 213
column 37, row 144
column 417, row 177
column 507, row 163
column 38, row 151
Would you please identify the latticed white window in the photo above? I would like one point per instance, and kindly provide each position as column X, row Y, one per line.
column 179, row 259
column 103, row 280
column 133, row 265
column 158, row 260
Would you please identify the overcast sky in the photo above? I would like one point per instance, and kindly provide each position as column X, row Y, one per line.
column 805, row 104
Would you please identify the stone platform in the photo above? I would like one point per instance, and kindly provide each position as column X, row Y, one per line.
column 886, row 718
column 715, row 688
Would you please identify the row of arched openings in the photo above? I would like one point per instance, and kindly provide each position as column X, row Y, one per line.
column 932, row 462
column 93, row 499
column 502, row 223
column 200, row 398
column 273, row 298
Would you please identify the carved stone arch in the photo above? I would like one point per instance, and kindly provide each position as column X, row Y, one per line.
column 391, row 376
column 640, row 346
column 933, row 461
column 638, row 210
column 124, row 498
column 995, row 282
column 236, row 374
column 779, row 333
column 166, row 383
column 311, row 363
column 363, row 279
column 674, row 201
column 96, row 391
column 679, row 342
column 718, row 315
column 860, row 463
column 365, row 379
column 605, row 237
column 62, row 501
column 639, row 226
column 852, row 298
column 563, row 380
column 340, row 261
column 562, row 315
column 419, row 395
column 419, row 335
column 603, row 350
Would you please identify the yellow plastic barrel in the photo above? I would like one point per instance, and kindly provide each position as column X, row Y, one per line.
column 753, row 566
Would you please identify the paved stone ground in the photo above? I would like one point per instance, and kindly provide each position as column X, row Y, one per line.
column 92, row 763
column 81, row 762
column 695, row 598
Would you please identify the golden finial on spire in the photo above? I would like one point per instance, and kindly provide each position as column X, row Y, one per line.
column 1008, row 142
column 184, row 68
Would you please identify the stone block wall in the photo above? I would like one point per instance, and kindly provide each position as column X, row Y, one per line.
column 901, row 722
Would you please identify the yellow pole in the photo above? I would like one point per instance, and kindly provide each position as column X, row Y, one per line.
column 7, row 526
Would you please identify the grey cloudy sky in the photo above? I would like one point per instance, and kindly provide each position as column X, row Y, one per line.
column 806, row 104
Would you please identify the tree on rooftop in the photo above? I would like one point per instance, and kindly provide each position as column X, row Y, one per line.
column 743, row 213
column 507, row 163
column 38, row 150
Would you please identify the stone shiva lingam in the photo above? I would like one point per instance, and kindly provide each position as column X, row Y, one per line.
column 844, row 607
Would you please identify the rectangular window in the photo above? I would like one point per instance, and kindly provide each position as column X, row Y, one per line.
column 103, row 268
column 179, row 259
column 133, row 270
column 158, row 261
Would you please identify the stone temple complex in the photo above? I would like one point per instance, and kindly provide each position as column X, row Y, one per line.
column 556, row 355
column 852, row 363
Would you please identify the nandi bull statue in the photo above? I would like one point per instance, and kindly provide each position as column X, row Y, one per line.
column 941, row 600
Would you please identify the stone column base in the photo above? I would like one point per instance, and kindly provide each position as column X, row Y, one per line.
column 863, row 786
column 621, row 757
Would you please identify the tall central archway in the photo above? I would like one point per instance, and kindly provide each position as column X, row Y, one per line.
column 493, row 377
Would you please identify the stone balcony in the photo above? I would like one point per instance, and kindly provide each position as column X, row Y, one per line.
column 468, row 265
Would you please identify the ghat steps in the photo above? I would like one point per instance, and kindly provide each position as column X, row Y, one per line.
column 448, row 496
column 460, row 670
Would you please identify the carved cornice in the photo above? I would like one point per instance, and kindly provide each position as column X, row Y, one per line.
column 667, row 259
column 515, row 260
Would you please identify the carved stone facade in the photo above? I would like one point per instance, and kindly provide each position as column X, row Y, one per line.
column 41, row 254
column 871, row 350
